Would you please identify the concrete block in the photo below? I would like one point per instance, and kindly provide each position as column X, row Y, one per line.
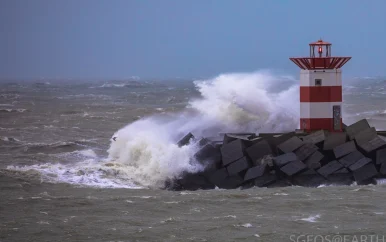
column 356, row 128
column 203, row 142
column 229, row 137
column 305, row 151
column 362, row 162
column 232, row 151
column 265, row 180
column 255, row 172
column 208, row 155
column 365, row 172
column 365, row 135
column 315, row 137
column 381, row 156
column 185, row 140
column 344, row 149
column 282, row 160
column 239, row 165
column 382, row 170
column 333, row 140
column 231, row 182
column 190, row 181
column 340, row 177
column 258, row 150
column 218, row 176
column 330, row 168
column 290, row 145
column 279, row 183
column 351, row 158
column 372, row 145
column 293, row 167
column 313, row 162
column 309, row 178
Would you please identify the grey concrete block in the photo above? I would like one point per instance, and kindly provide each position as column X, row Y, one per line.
column 344, row 149
column 365, row 172
column 290, row 145
column 333, row 140
column 265, row 180
column 258, row 150
column 313, row 162
column 280, row 183
column 255, row 172
column 372, row 145
column 365, row 135
column 356, row 128
column 185, row 140
column 351, row 158
column 362, row 162
column 218, row 176
column 208, row 155
column 232, row 151
column 293, row 167
column 228, row 137
column 190, row 181
column 309, row 178
column 282, row 160
column 381, row 156
column 382, row 170
column 330, row 168
column 231, row 182
column 305, row 151
column 315, row 137
column 239, row 165
column 340, row 177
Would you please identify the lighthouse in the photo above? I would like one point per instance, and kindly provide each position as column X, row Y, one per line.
column 320, row 88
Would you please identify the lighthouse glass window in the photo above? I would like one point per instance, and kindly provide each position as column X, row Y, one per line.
column 318, row 82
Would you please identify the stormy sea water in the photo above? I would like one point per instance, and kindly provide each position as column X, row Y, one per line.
column 63, row 177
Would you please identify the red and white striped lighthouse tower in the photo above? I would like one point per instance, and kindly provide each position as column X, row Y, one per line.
column 320, row 88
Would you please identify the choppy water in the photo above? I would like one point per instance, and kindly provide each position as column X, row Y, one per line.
column 63, row 179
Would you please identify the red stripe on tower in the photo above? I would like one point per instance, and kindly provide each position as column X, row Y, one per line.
column 320, row 88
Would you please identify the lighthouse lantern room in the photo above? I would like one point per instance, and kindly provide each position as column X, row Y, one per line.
column 320, row 88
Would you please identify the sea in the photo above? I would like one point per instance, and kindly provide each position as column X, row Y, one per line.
column 87, row 161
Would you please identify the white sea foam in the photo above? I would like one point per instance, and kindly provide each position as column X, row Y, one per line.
column 311, row 219
column 145, row 152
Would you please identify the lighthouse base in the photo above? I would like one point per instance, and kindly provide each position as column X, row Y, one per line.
column 313, row 124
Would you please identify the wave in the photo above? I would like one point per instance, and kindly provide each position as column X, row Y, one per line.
column 9, row 110
column 145, row 153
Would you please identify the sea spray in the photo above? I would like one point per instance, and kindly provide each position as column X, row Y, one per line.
column 228, row 103
column 145, row 154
